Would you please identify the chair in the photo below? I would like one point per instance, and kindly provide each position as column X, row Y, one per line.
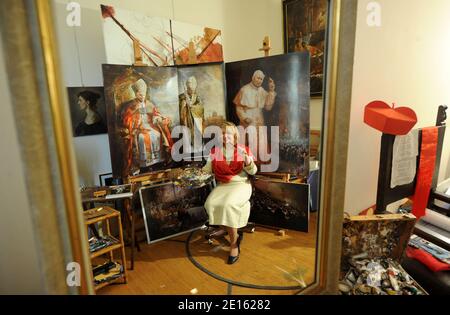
column 213, row 232
column 434, row 283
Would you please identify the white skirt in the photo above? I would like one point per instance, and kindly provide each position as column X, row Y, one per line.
column 229, row 204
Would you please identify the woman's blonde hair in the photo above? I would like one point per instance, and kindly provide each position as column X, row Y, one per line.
column 229, row 126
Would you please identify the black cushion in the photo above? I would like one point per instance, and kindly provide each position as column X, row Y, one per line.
column 435, row 283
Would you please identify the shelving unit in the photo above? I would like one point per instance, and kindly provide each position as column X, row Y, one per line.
column 105, row 214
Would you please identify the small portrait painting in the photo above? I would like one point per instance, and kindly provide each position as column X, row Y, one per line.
column 87, row 111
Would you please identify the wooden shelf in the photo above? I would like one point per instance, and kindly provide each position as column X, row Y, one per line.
column 100, row 214
column 105, row 250
column 105, row 214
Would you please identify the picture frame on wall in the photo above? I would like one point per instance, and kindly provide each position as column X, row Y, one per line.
column 87, row 110
column 305, row 24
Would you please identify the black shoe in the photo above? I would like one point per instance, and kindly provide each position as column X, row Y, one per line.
column 232, row 259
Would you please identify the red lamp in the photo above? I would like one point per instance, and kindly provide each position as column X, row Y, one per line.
column 395, row 121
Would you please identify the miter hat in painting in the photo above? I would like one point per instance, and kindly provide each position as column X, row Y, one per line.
column 390, row 120
column 193, row 82
column 140, row 86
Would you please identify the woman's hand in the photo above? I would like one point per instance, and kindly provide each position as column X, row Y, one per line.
column 247, row 160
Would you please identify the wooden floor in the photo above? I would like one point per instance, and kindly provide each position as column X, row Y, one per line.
column 266, row 259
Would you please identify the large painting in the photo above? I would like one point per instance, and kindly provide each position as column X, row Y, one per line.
column 122, row 27
column 142, row 109
column 201, row 99
column 273, row 92
column 170, row 210
column 195, row 44
column 87, row 110
column 305, row 25
column 159, row 41
column 281, row 205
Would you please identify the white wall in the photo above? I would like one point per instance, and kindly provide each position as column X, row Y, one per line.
column 406, row 61
column 19, row 266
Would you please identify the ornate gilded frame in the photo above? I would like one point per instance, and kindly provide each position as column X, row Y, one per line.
column 63, row 203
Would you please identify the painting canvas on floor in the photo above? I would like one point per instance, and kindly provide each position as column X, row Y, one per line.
column 280, row 205
column 305, row 26
column 87, row 110
column 273, row 92
column 201, row 99
column 142, row 109
column 195, row 44
column 170, row 210
column 122, row 27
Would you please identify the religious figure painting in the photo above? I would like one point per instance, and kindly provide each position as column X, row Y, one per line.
column 121, row 28
column 281, row 205
column 201, row 99
column 305, row 26
column 170, row 210
column 142, row 109
column 87, row 110
column 272, row 95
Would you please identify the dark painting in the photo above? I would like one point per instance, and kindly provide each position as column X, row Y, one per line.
column 170, row 210
column 142, row 109
column 281, row 205
column 273, row 92
column 87, row 110
column 304, row 27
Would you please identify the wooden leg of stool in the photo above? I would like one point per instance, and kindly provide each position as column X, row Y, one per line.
column 133, row 218
column 137, row 243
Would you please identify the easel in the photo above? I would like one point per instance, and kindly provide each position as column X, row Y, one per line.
column 284, row 177
column 150, row 178
column 266, row 46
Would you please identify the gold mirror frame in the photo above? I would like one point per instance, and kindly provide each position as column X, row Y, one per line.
column 36, row 16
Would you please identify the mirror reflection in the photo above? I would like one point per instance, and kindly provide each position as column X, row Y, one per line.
column 197, row 133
